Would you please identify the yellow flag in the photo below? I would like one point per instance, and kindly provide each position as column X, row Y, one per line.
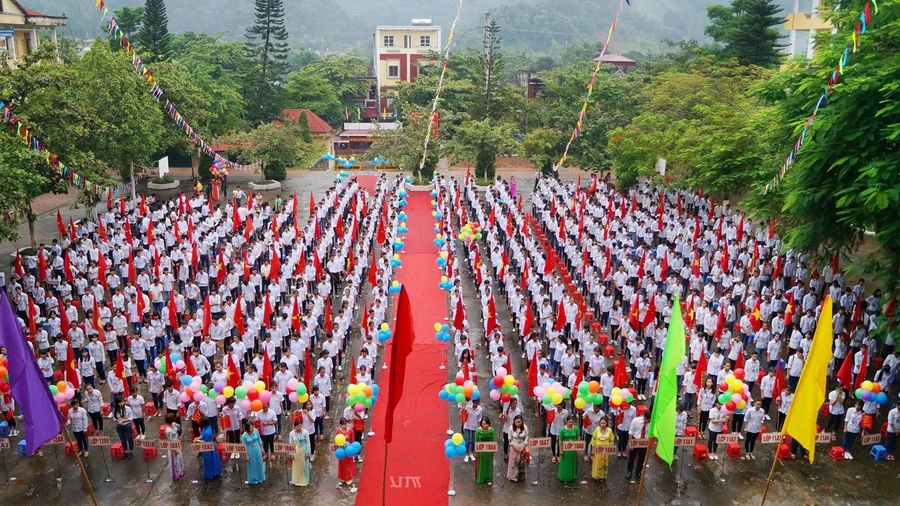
column 801, row 417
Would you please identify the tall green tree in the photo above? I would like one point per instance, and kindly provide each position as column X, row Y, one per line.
column 266, row 44
column 313, row 92
column 404, row 147
column 748, row 30
column 481, row 142
column 492, row 66
column 154, row 35
column 277, row 146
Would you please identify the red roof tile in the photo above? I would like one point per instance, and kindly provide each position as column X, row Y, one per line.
column 317, row 125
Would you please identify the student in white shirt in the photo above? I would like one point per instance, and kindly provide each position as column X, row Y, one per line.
column 852, row 428
column 473, row 414
column 753, row 420
column 718, row 416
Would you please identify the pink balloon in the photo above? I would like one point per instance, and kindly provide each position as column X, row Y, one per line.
column 501, row 371
column 60, row 397
column 179, row 365
column 539, row 391
column 495, row 395
column 198, row 396
column 247, row 384
column 184, row 397
column 358, row 407
column 293, row 383
column 468, row 383
column 70, row 393
column 245, row 404
column 265, row 396
column 292, row 396
column 220, row 400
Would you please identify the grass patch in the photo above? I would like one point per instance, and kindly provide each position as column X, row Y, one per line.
column 167, row 179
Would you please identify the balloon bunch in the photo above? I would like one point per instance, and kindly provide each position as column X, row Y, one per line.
column 407, row 180
column 504, row 386
column 470, row 231
column 401, row 226
column 445, row 283
column 551, row 392
column 398, row 244
column 61, row 391
column 621, row 397
column 174, row 359
column 434, row 193
column 588, row 393
column 395, row 261
column 195, row 390
column 460, row 391
column 442, row 260
column 402, row 193
column 4, row 377
column 442, row 332
column 217, row 171
column 395, row 287
column 380, row 160
column 346, row 163
column 296, row 391
column 437, row 212
column 251, row 396
column 871, row 392
column 455, row 446
column 439, row 240
column 361, row 396
column 384, row 332
column 734, row 393
column 344, row 449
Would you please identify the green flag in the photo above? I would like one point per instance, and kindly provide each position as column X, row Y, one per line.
column 662, row 422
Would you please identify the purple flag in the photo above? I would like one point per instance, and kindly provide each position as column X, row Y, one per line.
column 40, row 414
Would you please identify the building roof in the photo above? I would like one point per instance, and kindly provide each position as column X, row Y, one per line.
column 615, row 59
column 317, row 125
column 31, row 13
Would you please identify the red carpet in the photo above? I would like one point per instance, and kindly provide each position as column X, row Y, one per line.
column 417, row 470
column 367, row 183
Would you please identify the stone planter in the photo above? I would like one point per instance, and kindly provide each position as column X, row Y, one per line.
column 163, row 186
column 274, row 185
column 418, row 188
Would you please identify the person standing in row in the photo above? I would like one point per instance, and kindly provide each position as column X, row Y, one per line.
column 484, row 461
column 299, row 439
column 568, row 462
column 603, row 437
column 518, row 445
column 256, row 469
column 78, row 423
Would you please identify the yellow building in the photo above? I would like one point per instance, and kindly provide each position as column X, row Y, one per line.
column 803, row 24
column 21, row 27
column 398, row 48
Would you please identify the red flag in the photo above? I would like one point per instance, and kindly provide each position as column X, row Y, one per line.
column 780, row 383
column 70, row 373
column 739, row 233
column 678, row 206
column 620, row 376
column 294, row 205
column 401, row 347
column 468, row 174
column 633, row 315
column 771, row 233
column 239, row 317
column 724, row 263
column 20, row 271
column 195, row 256
column 250, row 200
column 529, row 320
column 60, row 225
column 460, row 315
column 756, row 317
column 170, row 367
column 492, row 219
column 550, row 264
column 861, row 376
column 845, row 374
column 701, row 371
column 267, row 368
column 560, row 317
column 267, row 311
column 779, row 266
column 491, row 316
column 150, row 234
column 248, row 229
column 232, row 375
column 173, row 312
column 372, row 274
column 720, row 324
column 143, row 208
column 120, row 368
column 317, row 263
column 129, row 239
column 791, row 309
column 295, row 315
column 593, row 186
column 97, row 321
column 139, row 305
column 102, row 267
column 235, row 215
column 42, row 266
column 301, row 266
column 122, row 207
column 220, row 268
column 650, row 316
column 307, row 370
column 607, row 269
column 102, row 231
column 189, row 369
column 640, row 271
column 312, row 205
column 664, row 265
column 275, row 271
column 71, row 229
column 508, row 364
column 533, row 373
column 739, row 362
column 329, row 316
column 465, row 371
column 132, row 272
column 207, row 315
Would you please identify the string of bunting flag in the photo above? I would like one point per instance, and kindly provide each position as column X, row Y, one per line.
column 590, row 88
column 24, row 134
column 865, row 19
column 144, row 73
column 433, row 116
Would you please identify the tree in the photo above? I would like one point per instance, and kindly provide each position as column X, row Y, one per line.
column 481, row 142
column 342, row 72
column 313, row 92
column 749, row 30
column 277, row 146
column 154, row 35
column 543, row 147
column 844, row 183
column 129, row 20
column 266, row 45
column 404, row 147
column 492, row 66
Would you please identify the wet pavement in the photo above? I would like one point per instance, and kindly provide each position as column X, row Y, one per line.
column 56, row 478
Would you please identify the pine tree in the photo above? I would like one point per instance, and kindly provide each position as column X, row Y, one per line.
column 154, row 36
column 492, row 67
column 266, row 45
column 748, row 30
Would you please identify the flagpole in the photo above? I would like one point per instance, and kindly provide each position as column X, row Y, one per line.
column 771, row 471
column 384, row 476
column 644, row 465
column 87, row 480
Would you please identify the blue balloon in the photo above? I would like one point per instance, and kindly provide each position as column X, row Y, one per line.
column 476, row 394
column 460, row 450
column 443, row 394
column 340, row 453
column 445, row 327
column 450, row 451
column 374, row 389
column 175, row 357
column 439, row 215
column 881, row 398
column 448, row 443
column 186, row 380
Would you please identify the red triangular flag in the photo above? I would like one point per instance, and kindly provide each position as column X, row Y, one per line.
column 232, row 375
column 401, row 347
column 845, row 374
column 861, row 376
column 267, row 368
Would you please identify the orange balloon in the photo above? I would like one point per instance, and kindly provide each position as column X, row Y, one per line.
column 3, row 373
column 368, row 390
column 876, row 388
column 188, row 391
column 467, row 391
column 61, row 386
column 256, row 405
column 593, row 387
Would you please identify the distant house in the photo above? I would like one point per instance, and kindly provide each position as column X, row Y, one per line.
column 354, row 141
column 20, row 29
column 317, row 125
column 621, row 63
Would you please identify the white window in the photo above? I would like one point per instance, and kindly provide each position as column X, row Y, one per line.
column 406, row 41
column 388, row 41
column 425, row 41
column 394, row 71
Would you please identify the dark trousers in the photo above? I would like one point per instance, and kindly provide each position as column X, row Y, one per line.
column 268, row 443
column 82, row 440
column 139, row 425
column 638, row 454
column 750, row 441
column 96, row 420
column 126, row 437
column 623, row 440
